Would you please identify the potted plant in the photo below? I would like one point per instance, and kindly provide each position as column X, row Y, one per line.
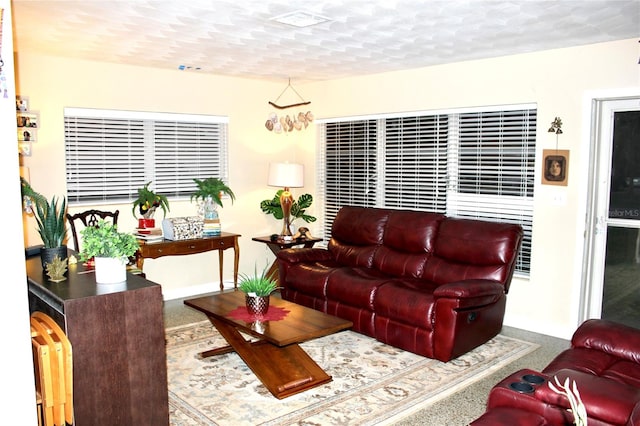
column 209, row 191
column 257, row 289
column 212, row 188
column 146, row 205
column 298, row 208
column 110, row 250
column 50, row 217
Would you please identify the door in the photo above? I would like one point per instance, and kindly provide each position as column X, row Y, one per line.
column 613, row 260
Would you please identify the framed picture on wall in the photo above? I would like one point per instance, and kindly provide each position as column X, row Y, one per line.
column 22, row 104
column 24, row 149
column 556, row 167
column 28, row 119
column 27, row 134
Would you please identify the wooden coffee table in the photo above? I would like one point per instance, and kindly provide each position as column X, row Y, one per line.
column 276, row 358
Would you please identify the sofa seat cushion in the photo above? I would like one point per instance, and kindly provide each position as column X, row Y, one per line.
column 604, row 399
column 624, row 372
column 596, row 363
column 407, row 301
column 355, row 286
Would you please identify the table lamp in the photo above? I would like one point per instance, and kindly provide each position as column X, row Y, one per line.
column 286, row 175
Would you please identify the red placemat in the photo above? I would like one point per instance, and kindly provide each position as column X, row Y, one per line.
column 275, row 313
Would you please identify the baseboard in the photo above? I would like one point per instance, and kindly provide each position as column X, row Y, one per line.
column 181, row 293
column 539, row 327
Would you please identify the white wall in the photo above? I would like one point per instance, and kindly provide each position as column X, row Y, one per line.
column 72, row 83
column 19, row 399
column 555, row 80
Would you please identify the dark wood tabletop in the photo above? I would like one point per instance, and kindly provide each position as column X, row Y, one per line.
column 300, row 324
column 275, row 358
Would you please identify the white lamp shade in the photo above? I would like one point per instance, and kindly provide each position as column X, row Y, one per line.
column 289, row 175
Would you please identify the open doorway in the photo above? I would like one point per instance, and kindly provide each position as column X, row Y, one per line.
column 613, row 233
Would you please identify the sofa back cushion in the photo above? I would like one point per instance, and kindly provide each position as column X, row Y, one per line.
column 474, row 249
column 425, row 245
column 356, row 233
column 408, row 241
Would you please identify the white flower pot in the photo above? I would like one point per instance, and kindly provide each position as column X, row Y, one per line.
column 110, row 270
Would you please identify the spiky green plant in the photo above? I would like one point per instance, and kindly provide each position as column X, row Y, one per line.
column 49, row 216
column 212, row 187
column 258, row 285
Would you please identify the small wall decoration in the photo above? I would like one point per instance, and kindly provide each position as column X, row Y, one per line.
column 3, row 78
column 297, row 120
column 27, row 119
column 24, row 149
column 555, row 161
column 26, row 134
column 556, row 167
column 22, row 104
column 28, row 123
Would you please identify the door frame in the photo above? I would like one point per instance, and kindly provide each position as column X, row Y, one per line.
column 590, row 291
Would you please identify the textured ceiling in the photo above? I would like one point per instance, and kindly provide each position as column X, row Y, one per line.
column 239, row 38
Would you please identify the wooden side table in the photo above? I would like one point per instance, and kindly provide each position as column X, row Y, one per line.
column 154, row 250
column 281, row 244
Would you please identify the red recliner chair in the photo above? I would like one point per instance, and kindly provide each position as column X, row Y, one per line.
column 604, row 362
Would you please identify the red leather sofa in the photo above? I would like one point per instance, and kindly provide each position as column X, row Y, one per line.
column 604, row 362
column 420, row 281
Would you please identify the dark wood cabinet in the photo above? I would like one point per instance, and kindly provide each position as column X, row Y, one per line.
column 118, row 343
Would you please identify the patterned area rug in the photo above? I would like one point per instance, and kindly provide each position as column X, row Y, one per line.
column 373, row 383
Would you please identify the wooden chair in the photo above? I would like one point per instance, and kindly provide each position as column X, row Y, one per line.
column 89, row 218
column 53, row 362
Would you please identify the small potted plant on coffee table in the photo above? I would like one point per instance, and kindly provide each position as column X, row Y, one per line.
column 257, row 289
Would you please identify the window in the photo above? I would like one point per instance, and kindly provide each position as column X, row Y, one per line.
column 477, row 164
column 110, row 154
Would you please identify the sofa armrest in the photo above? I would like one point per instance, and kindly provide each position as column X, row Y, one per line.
column 606, row 400
column 299, row 255
column 471, row 292
column 606, row 336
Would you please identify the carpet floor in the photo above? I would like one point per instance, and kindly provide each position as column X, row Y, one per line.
column 373, row 383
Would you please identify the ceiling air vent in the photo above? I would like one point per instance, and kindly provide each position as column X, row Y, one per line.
column 300, row 19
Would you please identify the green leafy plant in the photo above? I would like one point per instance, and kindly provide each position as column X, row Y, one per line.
column 298, row 208
column 258, row 285
column 50, row 216
column 104, row 240
column 148, row 201
column 212, row 187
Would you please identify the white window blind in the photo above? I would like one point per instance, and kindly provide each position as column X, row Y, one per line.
column 110, row 154
column 349, row 167
column 492, row 164
column 465, row 164
column 415, row 163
